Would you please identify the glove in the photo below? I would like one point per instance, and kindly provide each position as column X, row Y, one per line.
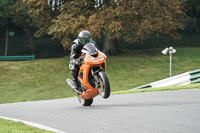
column 77, row 62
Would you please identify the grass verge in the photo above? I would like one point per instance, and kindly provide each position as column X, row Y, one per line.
column 169, row 88
column 8, row 126
column 44, row 79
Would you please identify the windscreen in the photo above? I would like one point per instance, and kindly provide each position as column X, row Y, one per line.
column 90, row 49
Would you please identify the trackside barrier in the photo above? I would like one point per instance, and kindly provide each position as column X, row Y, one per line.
column 14, row 58
column 181, row 79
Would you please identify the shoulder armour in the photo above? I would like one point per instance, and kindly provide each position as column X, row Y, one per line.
column 76, row 41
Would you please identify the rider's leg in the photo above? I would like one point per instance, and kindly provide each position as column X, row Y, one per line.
column 74, row 73
column 75, row 80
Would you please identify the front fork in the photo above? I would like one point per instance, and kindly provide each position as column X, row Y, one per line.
column 96, row 79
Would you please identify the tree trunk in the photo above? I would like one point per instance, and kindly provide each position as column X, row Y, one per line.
column 6, row 43
column 109, row 45
column 30, row 40
column 197, row 14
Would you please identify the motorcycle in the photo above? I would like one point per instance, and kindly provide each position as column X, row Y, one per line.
column 92, row 78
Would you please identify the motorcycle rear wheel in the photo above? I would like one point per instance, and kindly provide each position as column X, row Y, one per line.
column 104, row 89
column 84, row 102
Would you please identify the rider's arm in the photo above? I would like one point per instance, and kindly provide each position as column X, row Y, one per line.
column 74, row 54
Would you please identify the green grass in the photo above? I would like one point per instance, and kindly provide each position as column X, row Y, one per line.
column 45, row 78
column 139, row 67
column 169, row 88
column 34, row 80
column 7, row 126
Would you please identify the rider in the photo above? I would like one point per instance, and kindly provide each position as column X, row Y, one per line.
column 83, row 38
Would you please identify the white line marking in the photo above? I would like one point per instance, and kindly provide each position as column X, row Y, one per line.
column 34, row 125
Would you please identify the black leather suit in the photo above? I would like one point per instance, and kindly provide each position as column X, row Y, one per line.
column 74, row 56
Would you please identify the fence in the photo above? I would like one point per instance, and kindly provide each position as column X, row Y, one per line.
column 14, row 58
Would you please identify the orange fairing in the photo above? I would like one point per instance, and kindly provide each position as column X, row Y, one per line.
column 95, row 61
column 89, row 62
column 90, row 91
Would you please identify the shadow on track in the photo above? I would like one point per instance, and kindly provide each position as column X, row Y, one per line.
column 132, row 105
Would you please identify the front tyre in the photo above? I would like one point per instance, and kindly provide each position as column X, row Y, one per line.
column 83, row 101
column 104, row 89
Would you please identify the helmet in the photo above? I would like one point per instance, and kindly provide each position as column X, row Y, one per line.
column 84, row 37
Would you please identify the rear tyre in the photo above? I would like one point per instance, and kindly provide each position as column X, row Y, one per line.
column 104, row 89
column 84, row 102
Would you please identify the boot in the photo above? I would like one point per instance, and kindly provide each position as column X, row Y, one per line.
column 75, row 84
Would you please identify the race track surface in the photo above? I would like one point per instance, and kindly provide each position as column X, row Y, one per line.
column 152, row 112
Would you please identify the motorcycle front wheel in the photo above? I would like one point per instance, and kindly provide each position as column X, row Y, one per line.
column 104, row 89
column 84, row 102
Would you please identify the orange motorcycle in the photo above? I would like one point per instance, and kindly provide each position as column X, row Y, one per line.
column 92, row 79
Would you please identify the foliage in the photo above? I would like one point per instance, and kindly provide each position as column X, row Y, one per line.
column 73, row 19
column 162, row 41
column 3, row 6
column 20, row 16
column 133, row 20
column 41, row 13
column 152, row 17
column 5, row 11
column 192, row 5
column 5, row 16
column 193, row 10
column 44, row 47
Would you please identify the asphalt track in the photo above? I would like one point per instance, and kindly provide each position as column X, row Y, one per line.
column 152, row 112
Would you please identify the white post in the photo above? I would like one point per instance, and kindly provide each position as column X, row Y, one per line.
column 170, row 67
column 171, row 51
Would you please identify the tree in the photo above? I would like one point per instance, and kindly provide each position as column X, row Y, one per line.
column 136, row 20
column 22, row 19
column 5, row 17
column 38, row 15
column 14, row 14
column 194, row 7
column 133, row 20
column 42, row 13
column 73, row 18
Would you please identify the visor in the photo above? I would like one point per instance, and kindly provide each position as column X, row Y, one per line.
column 84, row 41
